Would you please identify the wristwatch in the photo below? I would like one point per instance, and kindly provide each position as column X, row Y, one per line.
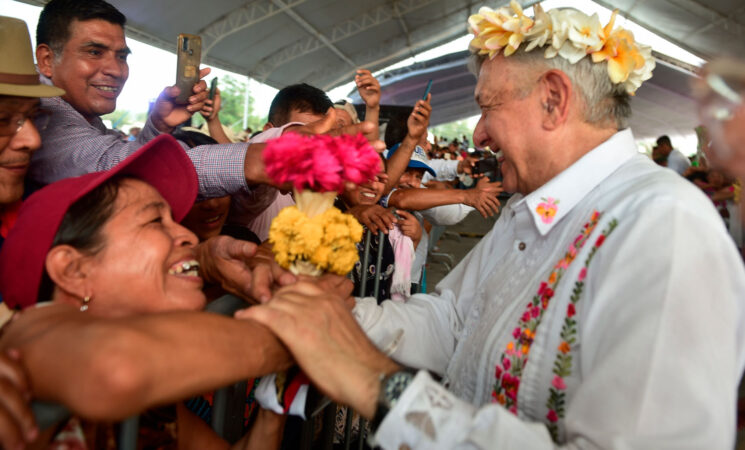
column 391, row 388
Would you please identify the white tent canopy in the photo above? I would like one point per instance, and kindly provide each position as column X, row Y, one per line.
column 321, row 42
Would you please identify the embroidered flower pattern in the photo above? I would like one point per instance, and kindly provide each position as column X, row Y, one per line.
column 547, row 209
column 563, row 363
column 512, row 361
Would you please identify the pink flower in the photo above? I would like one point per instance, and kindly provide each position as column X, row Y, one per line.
column 516, row 333
column 558, row 383
column 534, row 311
column 572, row 252
column 320, row 163
column 552, row 416
column 506, row 363
column 513, row 409
column 525, row 317
column 582, row 274
column 498, row 372
column 547, row 210
column 570, row 310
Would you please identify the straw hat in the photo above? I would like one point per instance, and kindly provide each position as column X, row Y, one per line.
column 18, row 74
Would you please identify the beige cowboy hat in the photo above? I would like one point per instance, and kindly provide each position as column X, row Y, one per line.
column 18, row 74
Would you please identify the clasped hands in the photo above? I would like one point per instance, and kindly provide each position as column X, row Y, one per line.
column 311, row 316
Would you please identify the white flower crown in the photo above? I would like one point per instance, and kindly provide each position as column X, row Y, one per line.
column 568, row 33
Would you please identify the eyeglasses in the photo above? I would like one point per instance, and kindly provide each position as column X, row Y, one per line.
column 11, row 124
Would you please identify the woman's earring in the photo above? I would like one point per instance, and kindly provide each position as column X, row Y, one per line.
column 84, row 306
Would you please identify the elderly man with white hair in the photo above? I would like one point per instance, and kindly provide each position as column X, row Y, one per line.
column 604, row 309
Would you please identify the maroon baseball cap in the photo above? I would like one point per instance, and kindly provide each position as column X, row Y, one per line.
column 162, row 163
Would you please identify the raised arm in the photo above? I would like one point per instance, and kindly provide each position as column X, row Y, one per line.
column 211, row 113
column 483, row 197
column 417, row 124
column 369, row 89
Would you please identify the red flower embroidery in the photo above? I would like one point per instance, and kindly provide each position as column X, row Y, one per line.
column 600, row 240
column 551, row 416
column 570, row 310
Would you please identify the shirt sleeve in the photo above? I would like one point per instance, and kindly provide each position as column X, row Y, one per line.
column 660, row 352
column 73, row 146
column 446, row 169
column 446, row 214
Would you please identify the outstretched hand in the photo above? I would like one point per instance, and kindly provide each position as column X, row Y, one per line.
column 483, row 197
column 327, row 125
column 167, row 114
column 328, row 344
column 374, row 217
column 224, row 260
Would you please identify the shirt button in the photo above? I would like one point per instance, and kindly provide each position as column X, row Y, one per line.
column 521, row 246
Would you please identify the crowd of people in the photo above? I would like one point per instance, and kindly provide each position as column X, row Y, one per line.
column 603, row 310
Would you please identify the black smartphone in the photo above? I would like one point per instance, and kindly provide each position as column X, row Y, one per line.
column 213, row 88
column 426, row 91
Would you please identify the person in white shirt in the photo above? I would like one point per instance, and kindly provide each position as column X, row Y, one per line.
column 676, row 160
column 604, row 310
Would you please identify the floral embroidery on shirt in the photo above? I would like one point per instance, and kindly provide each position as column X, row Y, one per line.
column 547, row 209
column 563, row 362
column 512, row 361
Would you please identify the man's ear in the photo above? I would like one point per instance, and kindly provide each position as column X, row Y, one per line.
column 45, row 59
column 68, row 269
column 556, row 98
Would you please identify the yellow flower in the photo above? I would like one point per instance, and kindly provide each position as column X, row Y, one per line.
column 497, row 30
column 628, row 62
column 327, row 240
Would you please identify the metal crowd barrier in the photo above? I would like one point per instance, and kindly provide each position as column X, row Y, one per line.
column 229, row 402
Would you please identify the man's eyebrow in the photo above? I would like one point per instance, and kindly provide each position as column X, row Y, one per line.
column 100, row 46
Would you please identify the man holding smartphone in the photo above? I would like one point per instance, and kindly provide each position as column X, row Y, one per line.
column 81, row 48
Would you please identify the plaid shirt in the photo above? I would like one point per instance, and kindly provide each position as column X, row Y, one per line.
column 72, row 146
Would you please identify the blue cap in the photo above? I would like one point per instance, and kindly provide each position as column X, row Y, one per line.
column 418, row 159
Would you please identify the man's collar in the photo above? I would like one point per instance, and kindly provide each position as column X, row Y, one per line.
column 555, row 199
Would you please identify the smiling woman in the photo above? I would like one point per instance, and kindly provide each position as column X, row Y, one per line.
column 122, row 283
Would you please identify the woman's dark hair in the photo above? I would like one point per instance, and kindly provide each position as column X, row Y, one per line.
column 53, row 28
column 192, row 138
column 81, row 227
